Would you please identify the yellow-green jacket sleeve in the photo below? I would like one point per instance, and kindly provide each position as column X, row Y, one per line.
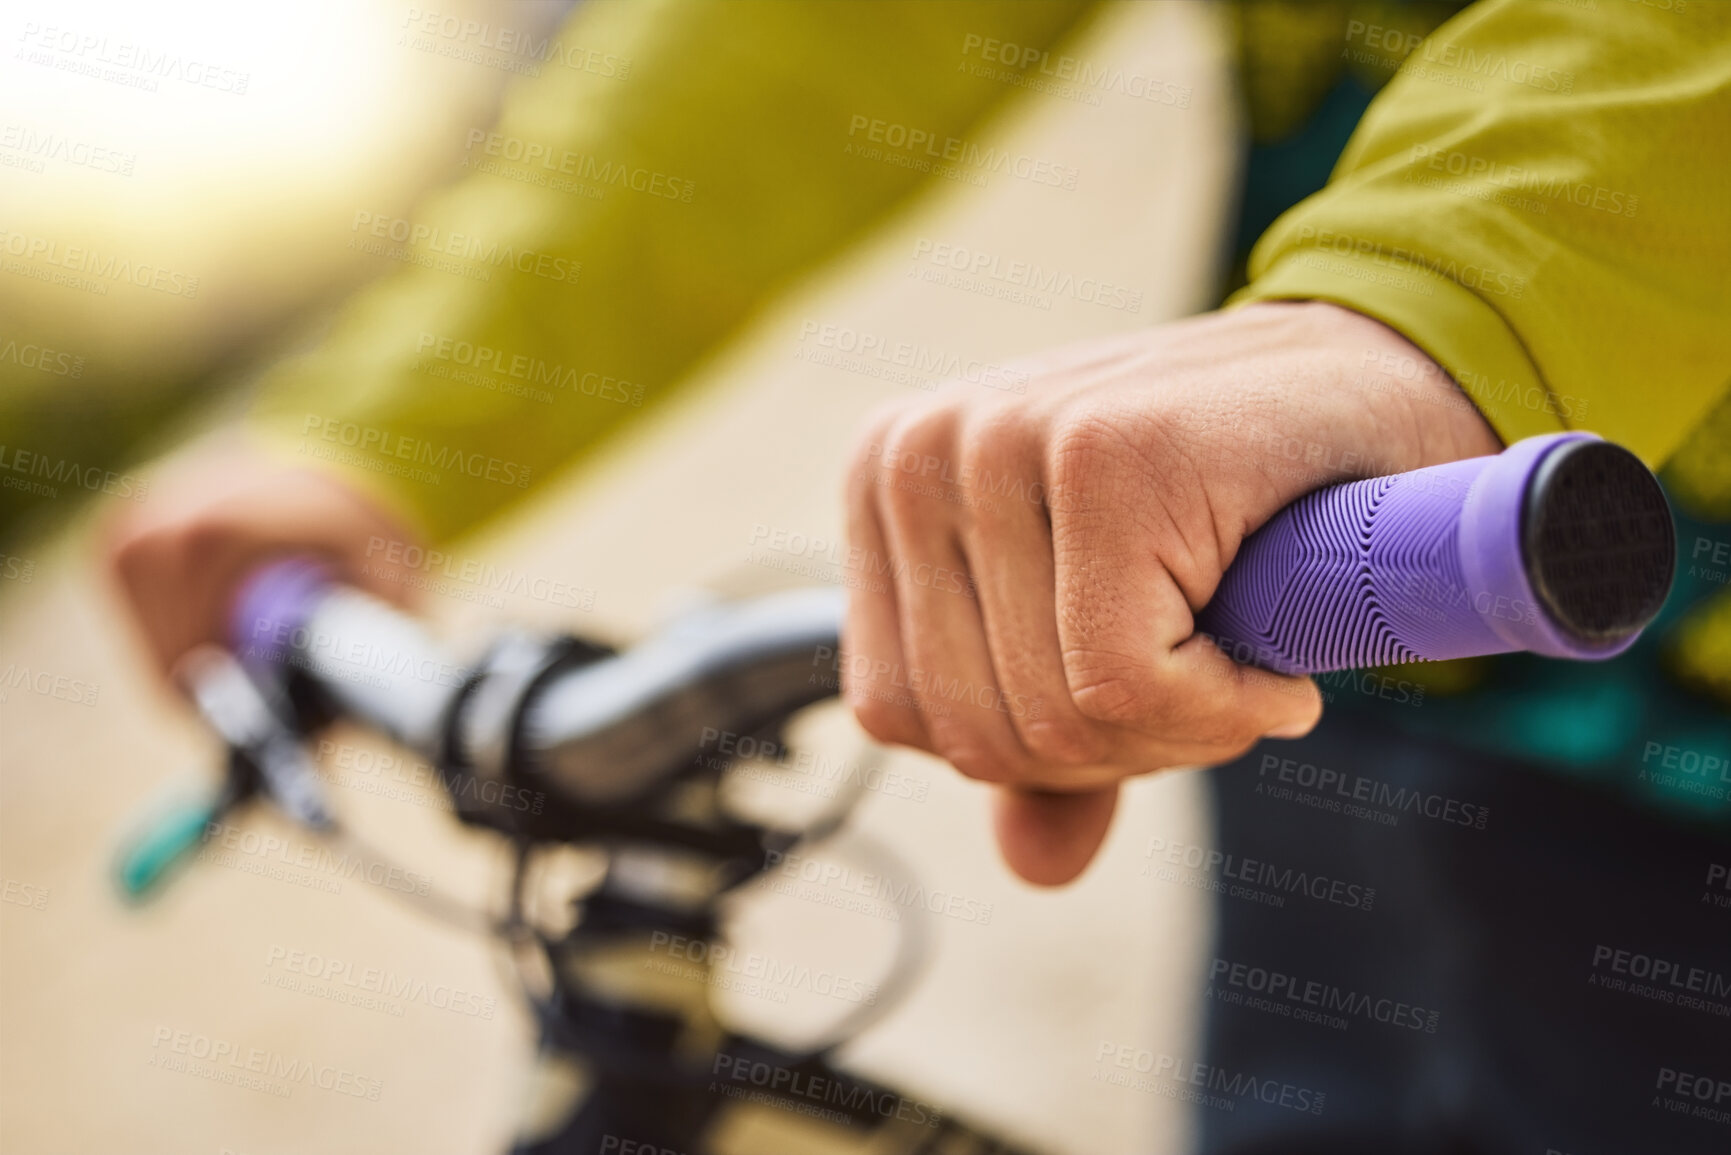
column 1541, row 200
column 630, row 210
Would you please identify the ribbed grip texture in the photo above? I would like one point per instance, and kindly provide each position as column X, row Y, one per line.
column 1363, row 574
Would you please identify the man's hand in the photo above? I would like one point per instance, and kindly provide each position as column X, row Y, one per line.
column 214, row 516
column 1031, row 561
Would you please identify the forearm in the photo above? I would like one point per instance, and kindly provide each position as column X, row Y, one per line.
column 640, row 222
column 1537, row 201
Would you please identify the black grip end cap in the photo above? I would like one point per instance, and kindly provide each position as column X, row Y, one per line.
column 1598, row 541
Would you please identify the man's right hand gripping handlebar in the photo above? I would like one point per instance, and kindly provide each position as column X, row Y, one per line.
column 1032, row 562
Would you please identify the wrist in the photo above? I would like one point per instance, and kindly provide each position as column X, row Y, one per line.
column 1444, row 423
column 1369, row 402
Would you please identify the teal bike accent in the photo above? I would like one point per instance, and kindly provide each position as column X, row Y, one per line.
column 170, row 837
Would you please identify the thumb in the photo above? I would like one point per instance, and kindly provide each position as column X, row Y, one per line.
column 1048, row 838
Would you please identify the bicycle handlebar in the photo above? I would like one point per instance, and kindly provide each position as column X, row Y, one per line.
column 1562, row 545
column 598, row 732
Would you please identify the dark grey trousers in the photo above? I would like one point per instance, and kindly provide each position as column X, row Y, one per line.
column 1422, row 950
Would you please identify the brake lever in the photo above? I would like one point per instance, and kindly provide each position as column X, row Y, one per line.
column 264, row 756
column 249, row 717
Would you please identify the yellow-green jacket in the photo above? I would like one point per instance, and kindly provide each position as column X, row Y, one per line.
column 1540, row 198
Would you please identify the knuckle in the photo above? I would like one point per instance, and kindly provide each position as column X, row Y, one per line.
column 988, row 439
column 1108, row 691
column 203, row 541
column 1231, row 731
column 132, row 553
column 869, row 446
column 1077, row 444
column 916, row 444
column 858, row 487
column 161, row 552
column 1110, row 701
column 1064, row 742
column 905, row 501
column 977, row 459
column 916, row 430
column 979, row 765
column 975, row 755
column 885, row 721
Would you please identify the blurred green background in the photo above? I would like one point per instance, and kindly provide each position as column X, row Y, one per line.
column 177, row 185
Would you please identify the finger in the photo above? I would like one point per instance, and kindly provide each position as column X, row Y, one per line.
column 147, row 592
column 949, row 668
column 1048, row 838
column 1014, row 578
column 1018, row 605
column 871, row 638
column 361, row 548
column 1126, row 627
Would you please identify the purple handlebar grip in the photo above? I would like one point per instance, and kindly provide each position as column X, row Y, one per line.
column 273, row 603
column 1484, row 556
